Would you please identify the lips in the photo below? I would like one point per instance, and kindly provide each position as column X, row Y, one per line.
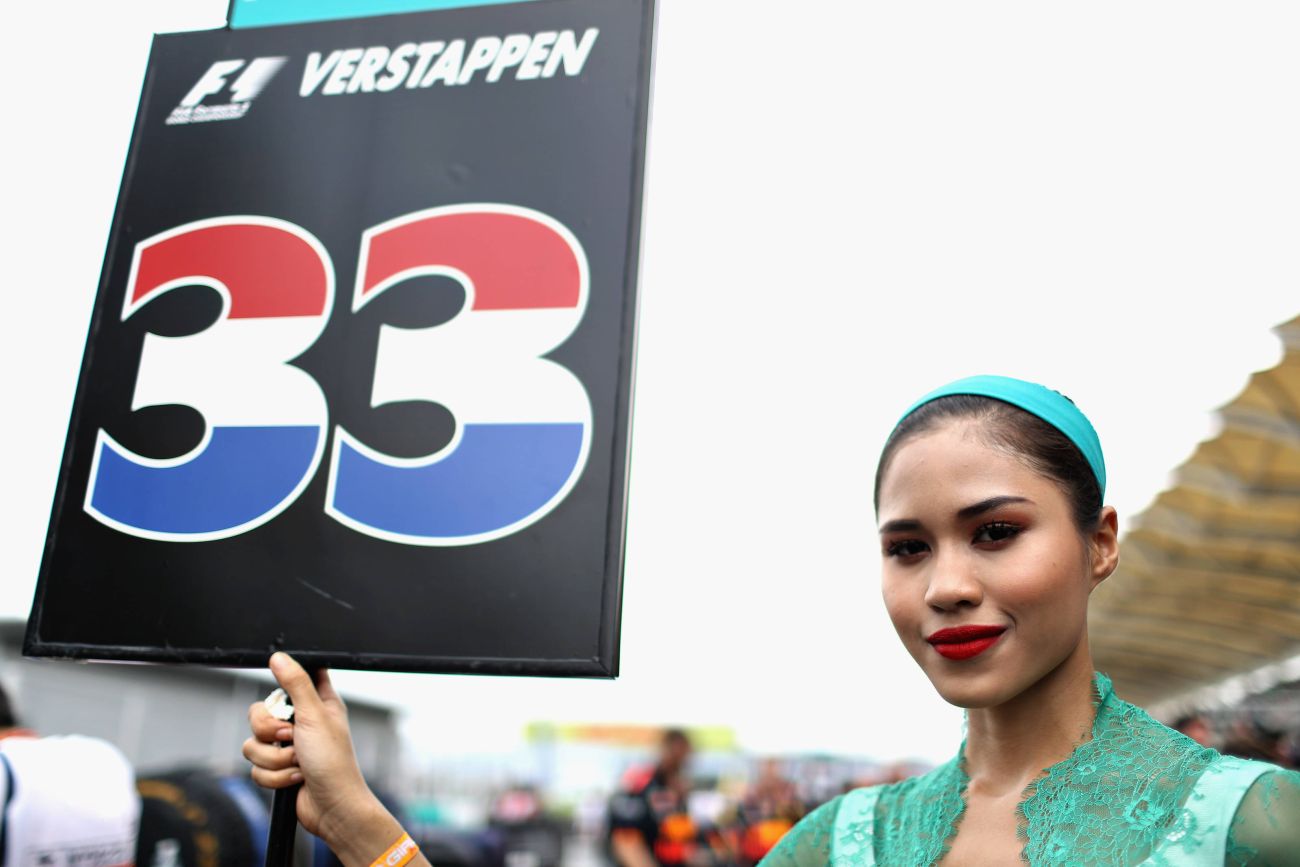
column 965, row 642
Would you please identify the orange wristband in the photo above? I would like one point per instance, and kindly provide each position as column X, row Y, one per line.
column 398, row 854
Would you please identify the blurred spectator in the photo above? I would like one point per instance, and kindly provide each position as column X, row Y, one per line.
column 1289, row 751
column 516, row 805
column 649, row 821
column 68, row 800
column 772, row 794
column 1250, row 738
column 1197, row 728
column 530, row 837
column 770, row 808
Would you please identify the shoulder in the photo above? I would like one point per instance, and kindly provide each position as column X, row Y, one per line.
column 842, row 831
column 839, row 831
column 70, row 788
column 628, row 808
column 1165, row 757
column 84, row 754
column 1264, row 802
column 1129, row 724
column 934, row 792
column 808, row 843
column 72, row 757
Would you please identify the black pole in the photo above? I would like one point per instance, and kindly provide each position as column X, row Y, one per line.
column 284, row 817
column 284, row 827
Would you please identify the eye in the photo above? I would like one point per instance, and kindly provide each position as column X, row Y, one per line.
column 905, row 549
column 997, row 531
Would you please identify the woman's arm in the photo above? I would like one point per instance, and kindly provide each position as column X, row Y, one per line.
column 334, row 803
column 1266, row 829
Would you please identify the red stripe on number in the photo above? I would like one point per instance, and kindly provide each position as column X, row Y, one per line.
column 269, row 271
column 514, row 261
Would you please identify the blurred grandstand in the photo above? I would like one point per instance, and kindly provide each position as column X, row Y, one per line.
column 1204, row 610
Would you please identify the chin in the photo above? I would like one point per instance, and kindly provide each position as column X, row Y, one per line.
column 964, row 697
column 972, row 691
column 968, row 699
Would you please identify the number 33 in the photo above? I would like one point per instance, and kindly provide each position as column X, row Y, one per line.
column 523, row 422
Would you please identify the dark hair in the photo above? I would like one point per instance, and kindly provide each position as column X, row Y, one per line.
column 675, row 736
column 1039, row 444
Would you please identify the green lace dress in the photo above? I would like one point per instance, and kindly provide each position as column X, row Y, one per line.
column 1135, row 793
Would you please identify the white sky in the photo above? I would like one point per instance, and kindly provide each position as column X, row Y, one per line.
column 1104, row 197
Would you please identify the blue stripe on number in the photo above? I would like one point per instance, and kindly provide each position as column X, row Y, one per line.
column 243, row 473
column 498, row 475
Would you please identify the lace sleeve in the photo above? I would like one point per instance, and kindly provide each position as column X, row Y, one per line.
column 1266, row 830
column 807, row 844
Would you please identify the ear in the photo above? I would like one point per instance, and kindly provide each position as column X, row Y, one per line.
column 1103, row 544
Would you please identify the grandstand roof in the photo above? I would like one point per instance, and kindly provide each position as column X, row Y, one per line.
column 1205, row 605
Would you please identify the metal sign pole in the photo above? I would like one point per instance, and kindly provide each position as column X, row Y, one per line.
column 284, row 805
column 284, row 827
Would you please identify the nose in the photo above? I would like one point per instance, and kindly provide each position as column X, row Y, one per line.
column 953, row 583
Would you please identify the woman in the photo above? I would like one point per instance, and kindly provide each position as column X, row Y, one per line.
column 994, row 534
column 989, row 495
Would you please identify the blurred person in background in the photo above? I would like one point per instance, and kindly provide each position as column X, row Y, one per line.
column 1253, row 738
column 649, row 818
column 530, row 836
column 770, row 808
column 1198, row 728
column 771, row 794
column 67, row 799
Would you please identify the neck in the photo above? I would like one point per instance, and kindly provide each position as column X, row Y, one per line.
column 1009, row 745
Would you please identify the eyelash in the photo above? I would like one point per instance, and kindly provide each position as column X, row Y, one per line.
column 1008, row 529
column 895, row 549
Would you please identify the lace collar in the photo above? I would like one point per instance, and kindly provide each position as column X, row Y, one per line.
column 1109, row 802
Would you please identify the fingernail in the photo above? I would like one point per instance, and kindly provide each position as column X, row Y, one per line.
column 284, row 734
column 295, row 777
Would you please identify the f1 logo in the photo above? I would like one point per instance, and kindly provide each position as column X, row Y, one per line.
column 248, row 85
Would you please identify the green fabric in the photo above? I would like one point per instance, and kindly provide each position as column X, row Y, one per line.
column 1134, row 793
column 1051, row 406
column 1266, row 827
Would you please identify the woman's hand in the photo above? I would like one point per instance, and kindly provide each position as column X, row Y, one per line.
column 334, row 803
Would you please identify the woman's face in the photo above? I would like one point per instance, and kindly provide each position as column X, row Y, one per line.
column 985, row 575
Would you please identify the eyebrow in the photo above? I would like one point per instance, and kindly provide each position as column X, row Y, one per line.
column 904, row 525
column 989, row 505
column 908, row 525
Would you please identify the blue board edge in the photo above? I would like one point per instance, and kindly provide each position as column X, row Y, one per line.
column 267, row 13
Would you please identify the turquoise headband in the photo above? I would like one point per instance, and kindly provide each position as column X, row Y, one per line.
column 1051, row 406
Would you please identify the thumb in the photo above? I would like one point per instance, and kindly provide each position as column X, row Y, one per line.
column 325, row 689
column 295, row 680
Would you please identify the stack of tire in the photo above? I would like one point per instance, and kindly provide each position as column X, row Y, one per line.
column 193, row 818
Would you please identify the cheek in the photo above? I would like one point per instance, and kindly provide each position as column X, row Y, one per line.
column 1049, row 592
column 899, row 604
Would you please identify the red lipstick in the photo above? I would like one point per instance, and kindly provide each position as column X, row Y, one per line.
column 965, row 642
